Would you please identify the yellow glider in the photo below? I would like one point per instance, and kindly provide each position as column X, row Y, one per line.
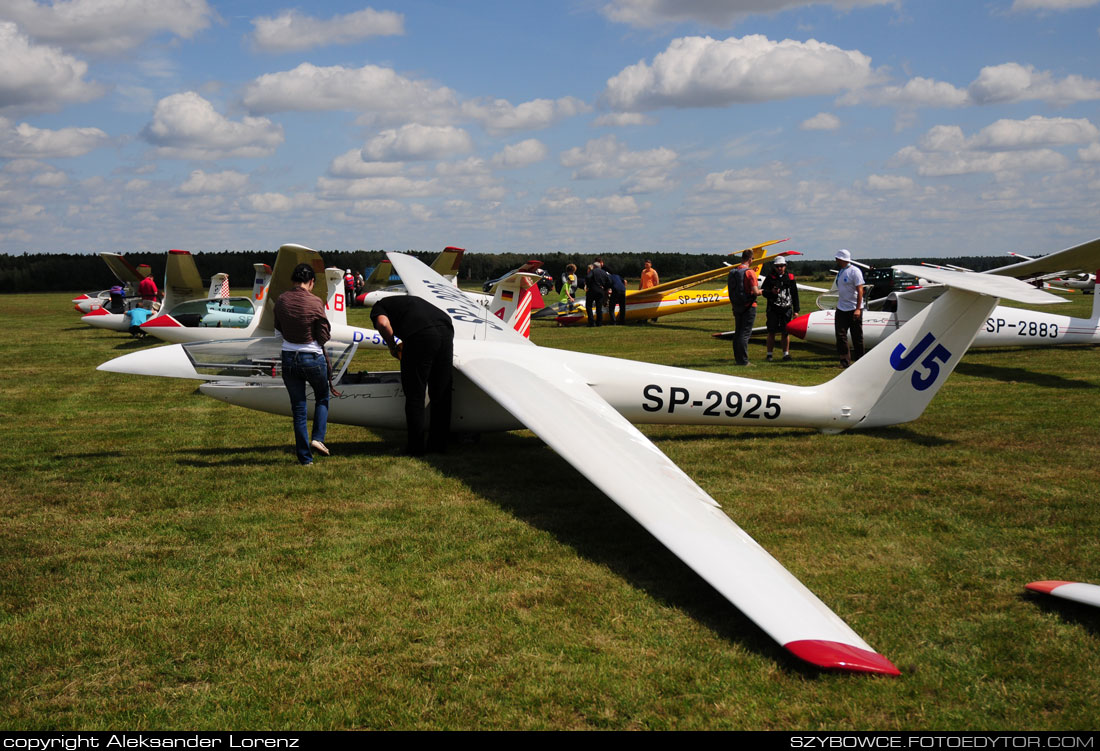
column 677, row 296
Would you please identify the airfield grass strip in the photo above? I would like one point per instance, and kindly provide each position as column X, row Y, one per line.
column 166, row 564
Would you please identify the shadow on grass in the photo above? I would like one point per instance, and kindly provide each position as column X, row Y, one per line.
column 1020, row 375
column 547, row 493
column 138, row 343
column 899, row 433
column 1086, row 616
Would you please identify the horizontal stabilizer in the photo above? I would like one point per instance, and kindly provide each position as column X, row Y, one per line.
column 1003, row 287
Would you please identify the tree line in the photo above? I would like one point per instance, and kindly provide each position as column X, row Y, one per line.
column 81, row 272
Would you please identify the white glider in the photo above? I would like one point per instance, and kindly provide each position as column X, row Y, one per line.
column 1004, row 326
column 504, row 382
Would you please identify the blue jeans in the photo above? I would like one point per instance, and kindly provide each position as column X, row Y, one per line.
column 300, row 368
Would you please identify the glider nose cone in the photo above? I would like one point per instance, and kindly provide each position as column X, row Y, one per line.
column 1046, row 587
column 798, row 326
column 170, row 361
column 161, row 320
column 838, row 656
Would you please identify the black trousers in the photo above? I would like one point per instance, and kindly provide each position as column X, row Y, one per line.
column 844, row 322
column 426, row 365
column 593, row 302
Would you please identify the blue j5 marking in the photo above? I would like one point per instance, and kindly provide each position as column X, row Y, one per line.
column 901, row 360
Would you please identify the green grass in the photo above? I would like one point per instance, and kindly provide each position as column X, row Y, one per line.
column 166, row 564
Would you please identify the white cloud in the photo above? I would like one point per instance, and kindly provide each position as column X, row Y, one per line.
column 25, row 140
column 917, row 92
column 1012, row 82
column 608, row 157
column 621, row 119
column 995, row 84
column 1024, row 5
column 380, row 93
column 186, row 126
column 821, row 121
column 351, row 164
column 1002, row 147
column 563, row 202
column 520, row 154
column 397, row 186
column 199, row 182
column 650, row 13
column 1035, row 131
column 1090, row 153
column 705, row 72
column 107, row 26
column 269, row 203
column 415, row 142
column 749, row 180
column 290, row 31
column 37, row 77
column 500, row 116
column 889, row 182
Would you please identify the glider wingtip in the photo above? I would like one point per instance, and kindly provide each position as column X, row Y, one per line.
column 1046, row 587
column 839, row 656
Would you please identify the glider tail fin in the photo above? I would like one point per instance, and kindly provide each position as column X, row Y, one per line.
column 515, row 298
column 219, row 286
column 260, row 281
column 336, row 308
column 896, row 380
column 181, row 279
column 446, row 263
column 289, row 256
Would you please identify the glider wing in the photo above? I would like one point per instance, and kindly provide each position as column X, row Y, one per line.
column 558, row 405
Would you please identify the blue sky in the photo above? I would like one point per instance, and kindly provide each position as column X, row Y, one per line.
column 893, row 128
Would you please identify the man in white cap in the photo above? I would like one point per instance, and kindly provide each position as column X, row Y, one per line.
column 849, row 308
column 781, row 291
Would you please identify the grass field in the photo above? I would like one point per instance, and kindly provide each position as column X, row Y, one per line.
column 165, row 563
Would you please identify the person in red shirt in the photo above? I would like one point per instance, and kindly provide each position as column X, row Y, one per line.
column 147, row 289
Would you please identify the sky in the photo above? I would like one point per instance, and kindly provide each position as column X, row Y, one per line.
column 889, row 127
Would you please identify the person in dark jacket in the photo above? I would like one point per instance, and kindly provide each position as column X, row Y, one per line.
column 427, row 346
column 300, row 319
column 617, row 296
column 596, row 288
column 741, row 284
column 781, row 292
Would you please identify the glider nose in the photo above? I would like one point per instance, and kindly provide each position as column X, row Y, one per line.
column 161, row 320
column 170, row 361
column 798, row 326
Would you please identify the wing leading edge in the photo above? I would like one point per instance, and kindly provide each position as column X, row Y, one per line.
column 557, row 404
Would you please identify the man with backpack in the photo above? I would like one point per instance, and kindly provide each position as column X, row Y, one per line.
column 743, row 291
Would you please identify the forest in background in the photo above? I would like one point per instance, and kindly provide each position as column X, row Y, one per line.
column 82, row 272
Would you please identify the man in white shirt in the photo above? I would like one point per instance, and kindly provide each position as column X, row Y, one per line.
column 849, row 309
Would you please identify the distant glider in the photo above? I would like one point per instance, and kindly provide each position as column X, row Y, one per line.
column 677, row 296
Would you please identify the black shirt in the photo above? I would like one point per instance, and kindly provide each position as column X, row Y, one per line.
column 409, row 314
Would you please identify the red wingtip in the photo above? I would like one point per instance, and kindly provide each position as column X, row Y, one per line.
column 162, row 320
column 1046, row 587
column 832, row 654
column 181, row 252
column 799, row 325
